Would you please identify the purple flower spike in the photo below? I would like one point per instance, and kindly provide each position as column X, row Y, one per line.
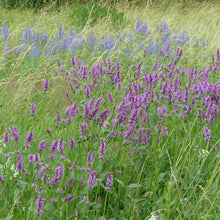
column 29, row 137
column 6, row 137
column 109, row 181
column 14, row 132
column 115, row 122
column 102, row 146
column 92, row 177
column 111, row 99
column 165, row 132
column 58, row 118
column 42, row 145
column 33, row 109
column 207, row 134
column 46, row 84
column 104, row 114
column 72, row 143
column 90, row 158
column 68, row 198
column 20, row 165
column 156, row 65
column 40, row 205
column 73, row 61
column 19, row 157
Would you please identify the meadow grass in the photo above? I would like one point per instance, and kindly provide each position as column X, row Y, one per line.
column 173, row 174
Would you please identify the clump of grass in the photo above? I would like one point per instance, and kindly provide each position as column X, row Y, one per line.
column 92, row 13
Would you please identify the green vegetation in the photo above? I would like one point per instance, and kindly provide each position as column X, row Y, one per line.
column 126, row 117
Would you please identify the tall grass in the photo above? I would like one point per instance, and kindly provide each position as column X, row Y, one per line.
column 173, row 175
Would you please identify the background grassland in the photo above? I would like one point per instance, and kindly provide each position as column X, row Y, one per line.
column 180, row 184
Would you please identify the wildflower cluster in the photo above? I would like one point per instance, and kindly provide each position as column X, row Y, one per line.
column 108, row 123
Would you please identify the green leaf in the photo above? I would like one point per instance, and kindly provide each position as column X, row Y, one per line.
column 120, row 182
column 134, row 185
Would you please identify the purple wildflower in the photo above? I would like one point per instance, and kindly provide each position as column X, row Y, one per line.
column 54, row 181
column 119, row 85
column 83, row 125
column 31, row 158
column 82, row 181
column 51, row 156
column 19, row 157
column 109, row 181
column 1, row 178
column 165, row 132
column 60, row 145
column 90, row 158
column 88, row 90
column 33, row 109
column 60, row 190
column 63, row 157
column 73, row 61
column 59, row 172
column 102, row 146
column 72, row 143
column 6, row 137
column 20, row 165
column 27, row 145
column 14, row 132
column 112, row 134
column 42, row 145
column 46, row 84
column 118, row 65
column 54, row 146
column 58, row 118
column 115, row 122
column 15, row 137
column 92, row 177
column 53, row 200
column 104, row 114
column 37, row 156
column 68, row 198
column 29, row 137
column 111, row 99
column 162, row 111
column 70, row 183
column 156, row 65
column 86, row 199
column 117, row 171
column 40, row 205
column 105, row 124
column 207, row 134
